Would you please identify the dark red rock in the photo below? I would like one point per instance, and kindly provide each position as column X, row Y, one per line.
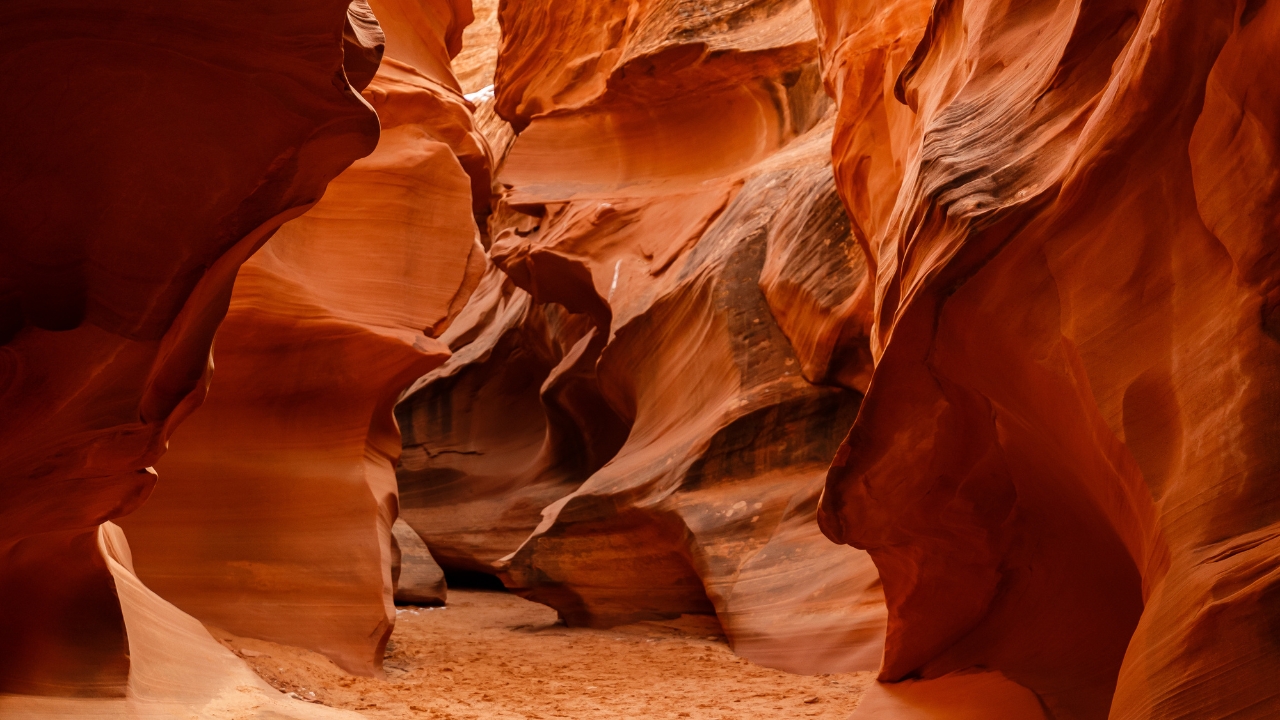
column 148, row 151
column 1058, row 467
column 275, row 520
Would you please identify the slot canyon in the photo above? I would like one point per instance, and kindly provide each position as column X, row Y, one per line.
column 708, row 359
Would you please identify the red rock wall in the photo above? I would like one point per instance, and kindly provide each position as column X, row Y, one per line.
column 1064, row 465
column 512, row 422
column 1030, row 249
column 148, row 151
column 176, row 668
column 639, row 420
column 275, row 516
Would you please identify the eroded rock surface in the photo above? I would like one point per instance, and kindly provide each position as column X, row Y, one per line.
column 176, row 667
column 638, row 422
column 148, row 151
column 275, row 517
column 417, row 577
column 1050, row 315
column 491, row 438
column 1065, row 463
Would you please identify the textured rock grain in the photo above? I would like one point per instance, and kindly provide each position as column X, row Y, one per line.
column 148, row 151
column 176, row 668
column 633, row 419
column 280, row 493
column 1064, row 465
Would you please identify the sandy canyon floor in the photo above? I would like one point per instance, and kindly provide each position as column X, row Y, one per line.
column 493, row 656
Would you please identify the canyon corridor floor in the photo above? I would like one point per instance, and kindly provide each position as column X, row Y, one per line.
column 494, row 656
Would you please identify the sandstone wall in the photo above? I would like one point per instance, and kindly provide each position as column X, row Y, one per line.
column 148, row 151
column 1064, row 465
column 641, row 406
column 274, row 519
column 1028, row 254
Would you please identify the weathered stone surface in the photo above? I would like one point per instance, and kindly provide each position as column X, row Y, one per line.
column 670, row 189
column 475, row 64
column 489, row 440
column 176, row 668
column 1050, row 315
column 148, row 151
column 417, row 578
column 1064, row 463
column 274, row 521
column 709, row 503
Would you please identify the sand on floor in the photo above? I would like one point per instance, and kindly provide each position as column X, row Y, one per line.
column 493, row 656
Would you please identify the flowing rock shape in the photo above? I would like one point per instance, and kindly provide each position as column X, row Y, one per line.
column 709, row 505
column 671, row 190
column 177, row 669
column 961, row 696
column 512, row 422
column 275, row 518
column 417, row 578
column 475, row 64
column 148, row 151
column 1065, row 463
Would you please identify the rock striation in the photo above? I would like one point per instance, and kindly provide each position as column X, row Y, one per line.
column 1064, row 463
column 176, row 668
column 645, row 393
column 638, row 281
column 491, row 437
column 148, row 152
column 275, row 517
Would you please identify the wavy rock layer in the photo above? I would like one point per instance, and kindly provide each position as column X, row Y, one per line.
column 635, row 423
column 177, row 669
column 147, row 153
column 274, row 520
column 491, row 438
column 1065, row 464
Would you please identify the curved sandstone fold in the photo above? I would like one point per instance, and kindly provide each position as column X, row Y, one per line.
column 670, row 190
column 510, row 423
column 1064, row 463
column 363, row 44
column 177, row 669
column 274, row 520
column 566, row 57
column 148, row 151
column 709, row 504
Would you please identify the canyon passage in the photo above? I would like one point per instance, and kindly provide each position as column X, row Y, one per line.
column 882, row 360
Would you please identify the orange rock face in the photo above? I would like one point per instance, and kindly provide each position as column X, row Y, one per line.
column 1028, row 255
column 147, row 153
column 280, row 493
column 417, row 577
column 1064, row 464
column 176, row 668
column 512, row 422
column 637, row 426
